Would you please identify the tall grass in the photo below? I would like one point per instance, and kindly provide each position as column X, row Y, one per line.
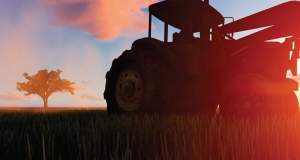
column 96, row 135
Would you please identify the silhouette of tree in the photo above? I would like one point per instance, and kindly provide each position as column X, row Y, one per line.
column 45, row 83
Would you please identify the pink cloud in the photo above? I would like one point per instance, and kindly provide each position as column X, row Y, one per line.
column 15, row 97
column 91, row 97
column 104, row 19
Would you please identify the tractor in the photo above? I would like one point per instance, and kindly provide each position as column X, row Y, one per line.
column 245, row 76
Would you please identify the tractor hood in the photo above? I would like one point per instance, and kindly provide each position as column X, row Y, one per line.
column 283, row 20
column 176, row 12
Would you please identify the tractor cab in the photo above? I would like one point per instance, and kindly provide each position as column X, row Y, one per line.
column 192, row 15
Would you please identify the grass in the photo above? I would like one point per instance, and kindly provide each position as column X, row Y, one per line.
column 93, row 134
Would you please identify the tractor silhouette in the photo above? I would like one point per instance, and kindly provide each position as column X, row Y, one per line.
column 245, row 76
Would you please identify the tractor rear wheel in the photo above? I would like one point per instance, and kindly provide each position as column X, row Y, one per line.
column 135, row 82
column 129, row 88
column 250, row 95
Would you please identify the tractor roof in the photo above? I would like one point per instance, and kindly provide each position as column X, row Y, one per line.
column 176, row 12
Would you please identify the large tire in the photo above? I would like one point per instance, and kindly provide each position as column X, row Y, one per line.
column 135, row 82
column 291, row 103
column 251, row 95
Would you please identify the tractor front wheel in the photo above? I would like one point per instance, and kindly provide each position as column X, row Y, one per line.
column 250, row 95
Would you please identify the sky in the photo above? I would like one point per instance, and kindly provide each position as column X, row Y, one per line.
column 81, row 38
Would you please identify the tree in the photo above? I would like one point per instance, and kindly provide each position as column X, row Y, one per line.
column 45, row 83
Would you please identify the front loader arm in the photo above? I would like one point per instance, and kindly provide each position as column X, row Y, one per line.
column 283, row 20
column 284, row 29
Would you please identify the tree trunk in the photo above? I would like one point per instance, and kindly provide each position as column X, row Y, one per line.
column 45, row 102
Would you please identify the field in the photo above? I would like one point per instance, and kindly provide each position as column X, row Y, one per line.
column 93, row 134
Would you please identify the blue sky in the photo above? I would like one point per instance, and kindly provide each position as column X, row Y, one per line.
column 81, row 38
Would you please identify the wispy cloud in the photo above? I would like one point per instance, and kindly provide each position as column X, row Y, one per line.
column 86, row 82
column 92, row 97
column 79, row 87
column 15, row 97
column 103, row 19
column 76, row 88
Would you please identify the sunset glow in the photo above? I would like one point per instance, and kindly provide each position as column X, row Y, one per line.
column 81, row 38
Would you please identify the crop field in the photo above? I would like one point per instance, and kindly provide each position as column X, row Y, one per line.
column 95, row 135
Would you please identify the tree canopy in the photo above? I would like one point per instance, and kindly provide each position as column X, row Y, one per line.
column 44, row 84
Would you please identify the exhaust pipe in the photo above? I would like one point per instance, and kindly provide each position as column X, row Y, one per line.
column 205, row 30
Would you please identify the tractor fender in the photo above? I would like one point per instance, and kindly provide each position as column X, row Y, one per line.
column 160, row 50
column 163, row 51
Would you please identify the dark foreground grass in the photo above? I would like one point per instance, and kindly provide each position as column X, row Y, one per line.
column 96, row 135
